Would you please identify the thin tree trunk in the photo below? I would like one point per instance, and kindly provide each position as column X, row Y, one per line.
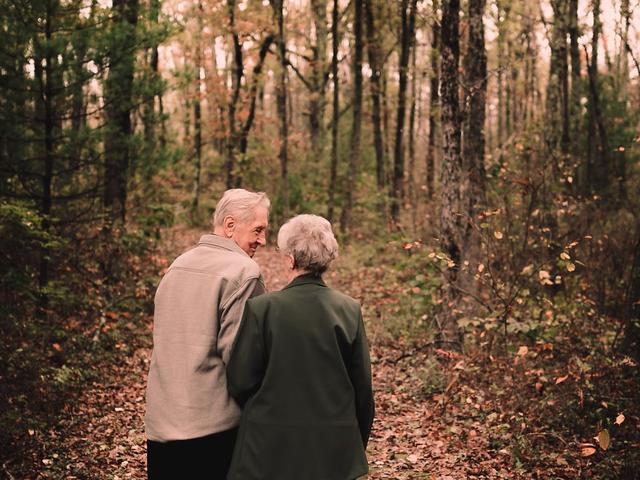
column 373, row 49
column 317, row 102
column 500, row 73
column 236, row 82
column 197, row 115
column 591, row 179
column 411, row 140
column 148, row 111
column 354, row 156
column 281, row 102
column 407, row 13
column 434, row 101
column 47, row 95
column 333, row 170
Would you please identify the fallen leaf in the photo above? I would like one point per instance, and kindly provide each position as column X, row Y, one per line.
column 561, row 379
column 619, row 419
column 586, row 450
column 523, row 350
column 498, row 235
column 604, row 439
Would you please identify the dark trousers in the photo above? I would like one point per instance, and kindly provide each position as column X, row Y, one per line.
column 206, row 458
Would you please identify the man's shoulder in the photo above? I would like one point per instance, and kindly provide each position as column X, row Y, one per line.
column 218, row 261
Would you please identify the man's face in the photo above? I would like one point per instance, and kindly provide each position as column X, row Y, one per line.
column 251, row 235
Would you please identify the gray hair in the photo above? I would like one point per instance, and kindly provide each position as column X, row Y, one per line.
column 310, row 241
column 239, row 203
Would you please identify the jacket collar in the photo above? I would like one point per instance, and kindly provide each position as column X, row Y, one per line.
column 220, row 242
column 306, row 279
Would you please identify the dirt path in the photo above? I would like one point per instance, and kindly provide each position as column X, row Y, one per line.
column 414, row 436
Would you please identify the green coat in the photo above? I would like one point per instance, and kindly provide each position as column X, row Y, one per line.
column 301, row 370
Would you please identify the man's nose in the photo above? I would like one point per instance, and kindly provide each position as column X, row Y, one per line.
column 262, row 239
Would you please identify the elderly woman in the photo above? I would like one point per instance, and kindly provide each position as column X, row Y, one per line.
column 300, row 368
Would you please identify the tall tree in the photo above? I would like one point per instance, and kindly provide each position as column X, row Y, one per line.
column 281, row 102
column 119, row 98
column 434, row 101
column 558, row 85
column 318, row 79
column 475, row 68
column 237, row 72
column 453, row 206
column 374, row 55
column 356, row 124
column 197, row 111
column 333, row 169
column 407, row 27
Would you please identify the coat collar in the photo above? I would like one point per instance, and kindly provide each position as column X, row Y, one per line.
column 220, row 242
column 306, row 279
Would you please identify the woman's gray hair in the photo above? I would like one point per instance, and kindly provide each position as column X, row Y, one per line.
column 240, row 204
column 310, row 241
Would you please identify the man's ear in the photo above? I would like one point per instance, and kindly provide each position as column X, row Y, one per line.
column 229, row 225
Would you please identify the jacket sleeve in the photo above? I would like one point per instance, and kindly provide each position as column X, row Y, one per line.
column 232, row 313
column 246, row 368
column 360, row 374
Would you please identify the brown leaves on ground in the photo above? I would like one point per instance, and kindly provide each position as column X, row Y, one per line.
column 439, row 414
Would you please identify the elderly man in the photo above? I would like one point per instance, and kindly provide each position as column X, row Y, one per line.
column 191, row 421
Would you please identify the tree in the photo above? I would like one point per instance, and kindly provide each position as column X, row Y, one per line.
column 408, row 16
column 434, row 101
column 333, row 169
column 374, row 55
column 281, row 101
column 453, row 206
column 356, row 124
column 475, row 68
column 119, row 107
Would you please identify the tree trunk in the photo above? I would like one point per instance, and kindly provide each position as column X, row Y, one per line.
column 253, row 97
column 119, row 106
column 452, row 225
column 434, row 101
column 197, row 115
column 281, row 102
column 47, row 90
column 558, row 86
column 411, row 140
column 475, row 67
column 373, row 50
column 476, row 84
column 408, row 13
column 574, row 35
column 236, row 83
column 354, row 156
column 317, row 102
column 333, row 171
column 500, row 74
column 148, row 111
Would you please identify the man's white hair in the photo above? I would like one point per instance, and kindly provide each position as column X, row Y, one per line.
column 310, row 241
column 239, row 203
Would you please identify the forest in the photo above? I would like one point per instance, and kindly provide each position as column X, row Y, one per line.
column 479, row 161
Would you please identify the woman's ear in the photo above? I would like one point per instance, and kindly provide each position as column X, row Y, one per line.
column 229, row 225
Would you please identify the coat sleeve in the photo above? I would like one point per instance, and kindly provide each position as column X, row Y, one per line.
column 232, row 313
column 360, row 373
column 246, row 368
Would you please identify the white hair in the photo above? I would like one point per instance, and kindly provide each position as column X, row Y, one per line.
column 310, row 241
column 240, row 204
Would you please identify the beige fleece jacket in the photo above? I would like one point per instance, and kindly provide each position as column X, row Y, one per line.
column 198, row 307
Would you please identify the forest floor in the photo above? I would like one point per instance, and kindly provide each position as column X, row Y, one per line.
column 440, row 415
